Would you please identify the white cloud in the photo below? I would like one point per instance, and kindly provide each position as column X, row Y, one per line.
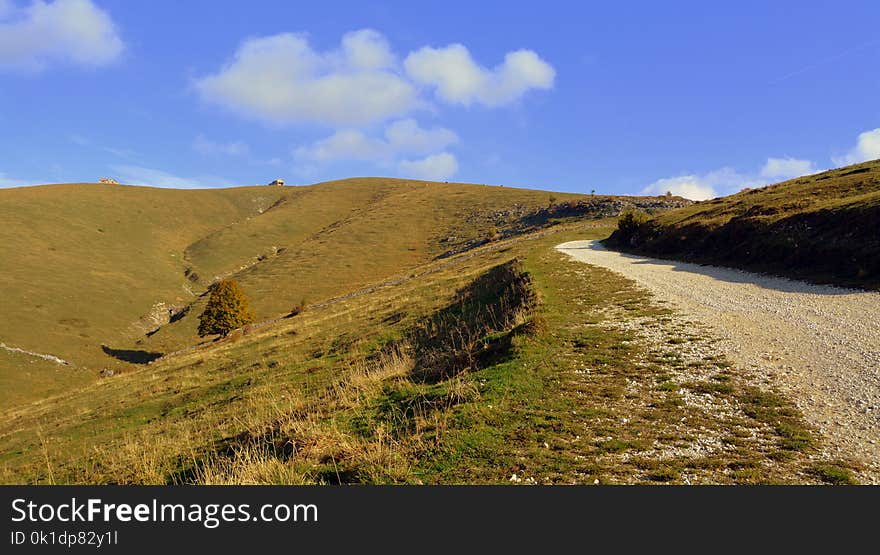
column 867, row 148
column 126, row 153
column 137, row 175
column 693, row 187
column 406, row 136
column 366, row 50
column 281, row 79
column 728, row 181
column 80, row 140
column 787, row 168
column 205, row 146
column 63, row 31
column 460, row 80
column 401, row 137
column 436, row 167
column 723, row 181
column 346, row 144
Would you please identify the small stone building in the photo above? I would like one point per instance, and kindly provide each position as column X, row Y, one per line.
column 278, row 181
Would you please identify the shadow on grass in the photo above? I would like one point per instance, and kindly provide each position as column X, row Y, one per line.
column 131, row 355
column 476, row 329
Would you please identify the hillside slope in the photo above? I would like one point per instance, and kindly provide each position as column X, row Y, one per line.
column 503, row 364
column 106, row 276
column 85, row 264
column 823, row 228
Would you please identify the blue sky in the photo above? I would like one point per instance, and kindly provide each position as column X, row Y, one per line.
column 701, row 98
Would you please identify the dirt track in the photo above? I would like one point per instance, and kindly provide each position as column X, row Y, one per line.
column 819, row 344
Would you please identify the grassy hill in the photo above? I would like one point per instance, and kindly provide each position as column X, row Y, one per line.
column 507, row 363
column 83, row 263
column 94, row 274
column 822, row 228
column 442, row 340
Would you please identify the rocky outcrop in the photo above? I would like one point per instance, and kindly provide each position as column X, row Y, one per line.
column 160, row 314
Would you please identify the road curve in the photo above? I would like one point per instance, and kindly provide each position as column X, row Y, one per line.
column 820, row 344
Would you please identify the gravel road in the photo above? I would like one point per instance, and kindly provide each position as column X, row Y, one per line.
column 819, row 344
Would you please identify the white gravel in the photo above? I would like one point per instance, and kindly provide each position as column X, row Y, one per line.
column 819, row 344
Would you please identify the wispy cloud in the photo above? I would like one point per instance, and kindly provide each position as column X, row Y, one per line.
column 124, row 153
column 400, row 138
column 823, row 61
column 138, row 175
column 8, row 182
column 436, row 167
column 208, row 147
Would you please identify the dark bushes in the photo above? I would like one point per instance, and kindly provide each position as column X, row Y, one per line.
column 476, row 329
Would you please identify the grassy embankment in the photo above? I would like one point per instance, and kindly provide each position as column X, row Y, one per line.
column 822, row 228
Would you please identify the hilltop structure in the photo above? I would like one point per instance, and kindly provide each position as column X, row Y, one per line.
column 108, row 181
column 278, row 181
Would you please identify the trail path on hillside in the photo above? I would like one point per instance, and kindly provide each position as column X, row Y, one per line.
column 819, row 344
column 51, row 358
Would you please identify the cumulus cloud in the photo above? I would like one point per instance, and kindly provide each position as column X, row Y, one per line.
column 691, row 186
column 458, row 79
column 366, row 50
column 436, row 167
column 703, row 186
column 203, row 145
column 63, row 31
column 867, row 148
column 403, row 137
column 787, row 168
column 281, row 79
column 138, row 175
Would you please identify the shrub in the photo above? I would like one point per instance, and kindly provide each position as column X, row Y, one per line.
column 631, row 220
column 228, row 309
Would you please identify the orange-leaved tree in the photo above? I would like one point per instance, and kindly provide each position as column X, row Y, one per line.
column 228, row 309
